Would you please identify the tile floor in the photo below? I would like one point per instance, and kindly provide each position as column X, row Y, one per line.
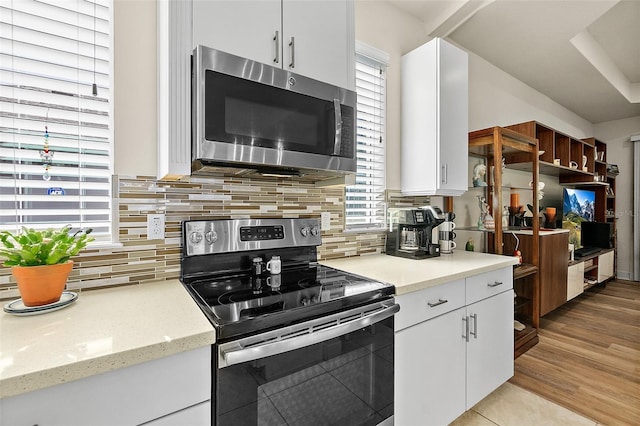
column 510, row 405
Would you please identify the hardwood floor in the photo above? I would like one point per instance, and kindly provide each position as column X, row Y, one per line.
column 588, row 357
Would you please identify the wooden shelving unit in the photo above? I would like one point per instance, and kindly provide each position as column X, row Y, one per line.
column 492, row 145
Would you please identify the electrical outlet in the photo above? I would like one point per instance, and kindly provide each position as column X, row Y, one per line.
column 325, row 224
column 155, row 226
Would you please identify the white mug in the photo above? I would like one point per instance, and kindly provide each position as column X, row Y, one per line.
column 274, row 265
column 447, row 226
column 447, row 246
column 573, row 165
column 274, row 281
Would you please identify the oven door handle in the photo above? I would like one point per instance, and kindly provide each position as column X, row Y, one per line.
column 304, row 334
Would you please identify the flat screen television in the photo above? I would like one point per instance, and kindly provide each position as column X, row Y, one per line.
column 577, row 207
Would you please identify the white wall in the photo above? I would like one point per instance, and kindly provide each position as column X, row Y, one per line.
column 385, row 27
column 620, row 151
column 498, row 99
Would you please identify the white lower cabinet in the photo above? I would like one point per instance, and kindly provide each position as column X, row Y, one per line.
column 447, row 362
column 490, row 346
column 174, row 390
column 199, row 414
column 575, row 280
column 605, row 266
column 430, row 371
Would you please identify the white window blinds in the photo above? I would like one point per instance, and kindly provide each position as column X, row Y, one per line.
column 365, row 200
column 52, row 52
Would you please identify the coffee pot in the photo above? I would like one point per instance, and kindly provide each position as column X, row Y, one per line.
column 410, row 232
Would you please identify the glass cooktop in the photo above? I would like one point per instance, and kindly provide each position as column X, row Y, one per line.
column 248, row 304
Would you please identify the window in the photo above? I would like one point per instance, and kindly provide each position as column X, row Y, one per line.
column 53, row 54
column 364, row 208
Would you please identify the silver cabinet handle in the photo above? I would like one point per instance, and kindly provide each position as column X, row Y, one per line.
column 438, row 303
column 276, row 40
column 444, row 173
column 495, row 284
column 474, row 333
column 337, row 142
column 465, row 336
column 304, row 334
column 292, row 44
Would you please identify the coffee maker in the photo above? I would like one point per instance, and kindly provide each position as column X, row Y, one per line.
column 410, row 232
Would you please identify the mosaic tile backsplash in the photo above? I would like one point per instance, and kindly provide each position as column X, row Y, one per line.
column 138, row 260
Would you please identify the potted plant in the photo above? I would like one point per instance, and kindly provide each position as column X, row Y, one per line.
column 40, row 260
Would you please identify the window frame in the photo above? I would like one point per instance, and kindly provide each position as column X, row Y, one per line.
column 370, row 55
column 15, row 138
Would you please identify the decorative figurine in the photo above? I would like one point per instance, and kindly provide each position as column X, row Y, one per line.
column 484, row 212
column 479, row 172
column 505, row 217
column 469, row 245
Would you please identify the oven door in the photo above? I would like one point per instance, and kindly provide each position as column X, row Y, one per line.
column 336, row 370
column 244, row 112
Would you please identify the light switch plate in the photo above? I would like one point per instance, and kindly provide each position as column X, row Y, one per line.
column 155, row 226
column 325, row 224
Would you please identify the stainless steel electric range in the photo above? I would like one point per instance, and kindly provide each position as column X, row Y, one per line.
column 297, row 343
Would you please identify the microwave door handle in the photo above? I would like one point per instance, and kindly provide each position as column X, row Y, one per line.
column 276, row 40
column 338, row 138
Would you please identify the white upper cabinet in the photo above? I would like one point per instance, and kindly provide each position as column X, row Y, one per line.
column 313, row 38
column 435, row 104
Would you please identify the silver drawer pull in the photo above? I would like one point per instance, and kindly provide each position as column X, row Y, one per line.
column 439, row 302
column 495, row 284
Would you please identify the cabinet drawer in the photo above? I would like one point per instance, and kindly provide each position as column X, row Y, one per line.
column 428, row 303
column 488, row 284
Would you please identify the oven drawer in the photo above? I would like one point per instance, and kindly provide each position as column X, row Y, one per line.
column 422, row 305
column 488, row 284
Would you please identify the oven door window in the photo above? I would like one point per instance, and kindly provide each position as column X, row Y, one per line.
column 347, row 380
column 244, row 112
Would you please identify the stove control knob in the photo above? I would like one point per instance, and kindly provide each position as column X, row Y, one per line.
column 315, row 231
column 304, row 231
column 314, row 299
column 211, row 236
column 195, row 237
column 304, row 301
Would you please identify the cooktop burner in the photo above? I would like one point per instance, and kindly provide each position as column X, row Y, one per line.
column 217, row 269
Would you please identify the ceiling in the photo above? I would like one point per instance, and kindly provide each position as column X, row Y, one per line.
column 583, row 54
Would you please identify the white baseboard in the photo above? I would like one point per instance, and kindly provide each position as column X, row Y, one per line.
column 624, row 275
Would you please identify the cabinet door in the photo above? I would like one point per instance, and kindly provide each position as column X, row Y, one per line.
column 490, row 346
column 434, row 120
column 127, row 396
column 197, row 415
column 323, row 40
column 605, row 266
column 242, row 27
column 453, row 118
column 575, row 280
column 430, row 371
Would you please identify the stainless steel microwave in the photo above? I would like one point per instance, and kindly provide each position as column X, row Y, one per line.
column 247, row 114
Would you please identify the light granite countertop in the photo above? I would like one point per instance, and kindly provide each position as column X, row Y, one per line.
column 103, row 330
column 410, row 275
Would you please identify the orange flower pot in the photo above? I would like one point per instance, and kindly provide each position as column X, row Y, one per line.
column 41, row 285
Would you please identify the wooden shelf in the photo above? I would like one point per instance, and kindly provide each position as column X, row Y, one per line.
column 591, row 268
column 524, row 340
column 520, row 302
column 524, row 270
column 518, row 150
